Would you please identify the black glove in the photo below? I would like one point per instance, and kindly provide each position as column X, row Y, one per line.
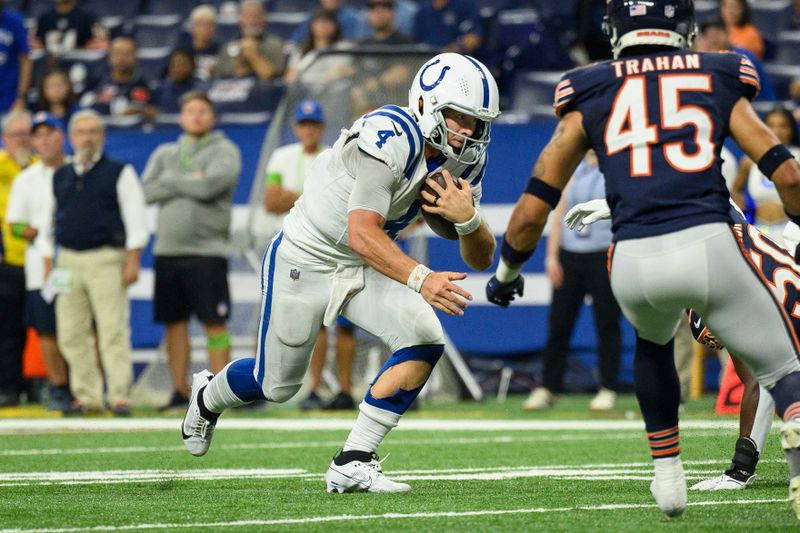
column 503, row 294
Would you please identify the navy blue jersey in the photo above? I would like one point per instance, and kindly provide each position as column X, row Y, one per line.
column 657, row 123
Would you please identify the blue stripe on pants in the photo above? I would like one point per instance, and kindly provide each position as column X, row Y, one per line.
column 267, row 307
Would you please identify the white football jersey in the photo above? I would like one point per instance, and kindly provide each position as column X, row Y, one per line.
column 317, row 223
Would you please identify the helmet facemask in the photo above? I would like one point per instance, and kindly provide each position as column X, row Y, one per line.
column 471, row 148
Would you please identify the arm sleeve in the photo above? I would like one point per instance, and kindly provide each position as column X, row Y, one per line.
column 155, row 190
column 131, row 203
column 220, row 177
column 374, row 186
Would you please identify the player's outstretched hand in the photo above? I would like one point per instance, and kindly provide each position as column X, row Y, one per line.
column 439, row 290
column 587, row 213
column 454, row 202
column 503, row 294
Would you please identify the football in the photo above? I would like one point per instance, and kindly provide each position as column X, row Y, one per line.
column 440, row 225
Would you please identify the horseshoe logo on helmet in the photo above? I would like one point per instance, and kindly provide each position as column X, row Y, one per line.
column 426, row 87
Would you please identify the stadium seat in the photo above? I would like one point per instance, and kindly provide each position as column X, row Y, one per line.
column 292, row 6
column 157, row 34
column 168, row 7
column 35, row 8
column 235, row 99
column 533, row 92
column 789, row 47
column 227, row 32
column 283, row 24
column 781, row 76
column 706, row 10
column 153, row 63
column 771, row 16
column 105, row 9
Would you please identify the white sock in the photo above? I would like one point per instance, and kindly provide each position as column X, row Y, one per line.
column 372, row 426
column 218, row 395
column 763, row 421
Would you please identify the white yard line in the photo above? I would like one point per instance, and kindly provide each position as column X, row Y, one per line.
column 640, row 470
column 27, row 425
column 504, row 439
column 388, row 516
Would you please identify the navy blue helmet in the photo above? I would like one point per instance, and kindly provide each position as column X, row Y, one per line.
column 649, row 22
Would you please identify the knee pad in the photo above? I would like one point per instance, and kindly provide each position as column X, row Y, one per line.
column 427, row 329
column 282, row 393
column 293, row 321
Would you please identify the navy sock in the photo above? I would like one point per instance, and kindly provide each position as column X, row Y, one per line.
column 786, row 393
column 659, row 394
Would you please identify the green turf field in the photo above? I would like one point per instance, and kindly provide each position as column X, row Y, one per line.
column 587, row 473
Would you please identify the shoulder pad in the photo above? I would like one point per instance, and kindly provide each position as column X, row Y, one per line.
column 391, row 135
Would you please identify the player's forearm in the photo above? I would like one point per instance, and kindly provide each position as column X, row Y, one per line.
column 527, row 223
column 787, row 182
column 477, row 248
column 381, row 253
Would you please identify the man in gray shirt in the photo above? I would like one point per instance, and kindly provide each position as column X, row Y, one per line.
column 193, row 181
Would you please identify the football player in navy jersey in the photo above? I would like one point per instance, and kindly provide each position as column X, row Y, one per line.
column 657, row 115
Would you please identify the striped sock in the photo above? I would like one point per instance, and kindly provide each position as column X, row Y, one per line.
column 793, row 411
column 665, row 443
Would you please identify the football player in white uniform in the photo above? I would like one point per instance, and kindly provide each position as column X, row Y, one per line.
column 336, row 255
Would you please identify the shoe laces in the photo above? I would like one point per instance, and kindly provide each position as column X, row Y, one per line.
column 376, row 462
column 203, row 429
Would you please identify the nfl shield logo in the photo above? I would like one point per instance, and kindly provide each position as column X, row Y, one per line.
column 669, row 11
column 294, row 274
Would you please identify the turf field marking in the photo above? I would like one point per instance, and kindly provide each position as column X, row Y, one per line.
column 504, row 439
column 57, row 425
column 389, row 516
column 98, row 477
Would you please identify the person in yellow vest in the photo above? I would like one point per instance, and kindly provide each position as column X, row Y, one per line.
column 14, row 157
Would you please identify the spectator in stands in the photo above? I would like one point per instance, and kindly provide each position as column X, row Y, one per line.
column 713, row 37
column 15, row 65
column 202, row 40
column 180, row 80
column 453, row 25
column 794, row 94
column 590, row 43
column 377, row 77
column 25, row 206
column 769, row 214
column 56, row 97
column 193, row 181
column 122, row 90
column 794, row 23
column 576, row 266
column 67, row 27
column 16, row 156
column 324, row 33
column 741, row 31
column 96, row 216
column 256, row 53
column 351, row 21
column 287, row 171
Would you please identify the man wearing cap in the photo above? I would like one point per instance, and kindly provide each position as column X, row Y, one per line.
column 25, row 206
column 287, row 171
column 192, row 181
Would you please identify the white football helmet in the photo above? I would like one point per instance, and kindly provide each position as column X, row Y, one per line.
column 463, row 84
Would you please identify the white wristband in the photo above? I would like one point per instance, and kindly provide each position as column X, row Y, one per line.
column 471, row 225
column 506, row 274
column 417, row 277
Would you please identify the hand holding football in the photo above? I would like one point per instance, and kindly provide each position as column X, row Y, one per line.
column 445, row 200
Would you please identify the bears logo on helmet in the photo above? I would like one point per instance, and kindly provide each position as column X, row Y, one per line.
column 649, row 22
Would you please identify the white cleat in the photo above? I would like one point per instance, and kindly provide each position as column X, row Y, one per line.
column 198, row 430
column 669, row 486
column 605, row 400
column 723, row 482
column 540, row 399
column 361, row 476
column 790, row 442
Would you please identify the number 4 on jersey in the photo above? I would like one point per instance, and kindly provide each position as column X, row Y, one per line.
column 628, row 126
